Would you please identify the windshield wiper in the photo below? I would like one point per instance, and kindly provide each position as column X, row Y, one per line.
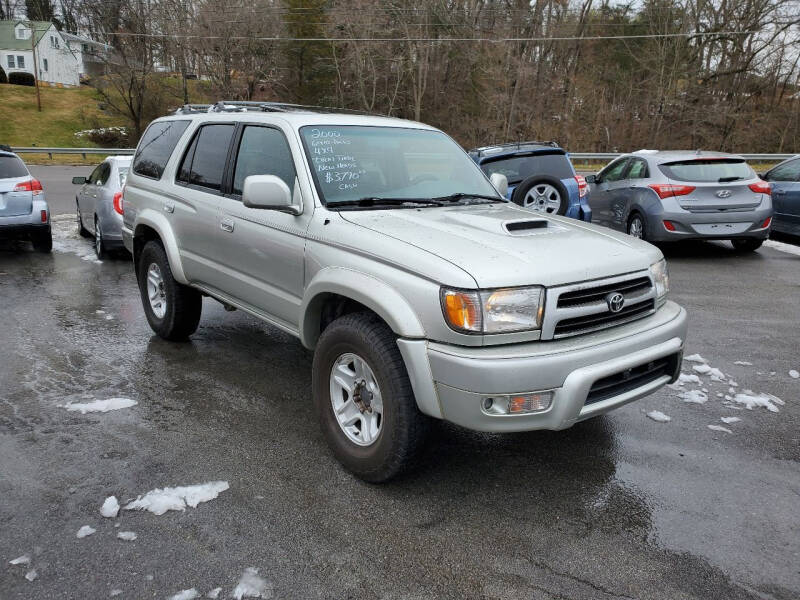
column 728, row 179
column 376, row 202
column 462, row 195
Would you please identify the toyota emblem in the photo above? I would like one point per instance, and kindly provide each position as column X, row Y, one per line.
column 724, row 194
column 615, row 302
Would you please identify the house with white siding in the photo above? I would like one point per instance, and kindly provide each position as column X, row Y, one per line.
column 92, row 55
column 57, row 64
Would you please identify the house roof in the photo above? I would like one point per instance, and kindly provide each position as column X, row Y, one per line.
column 9, row 41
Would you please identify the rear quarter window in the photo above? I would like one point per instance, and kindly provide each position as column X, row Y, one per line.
column 708, row 170
column 11, row 167
column 156, row 146
column 518, row 168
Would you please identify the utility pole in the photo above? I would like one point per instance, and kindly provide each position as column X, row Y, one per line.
column 35, row 67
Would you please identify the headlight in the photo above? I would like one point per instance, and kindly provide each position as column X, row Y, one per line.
column 494, row 311
column 660, row 275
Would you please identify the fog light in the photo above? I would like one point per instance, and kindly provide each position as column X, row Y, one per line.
column 669, row 226
column 517, row 404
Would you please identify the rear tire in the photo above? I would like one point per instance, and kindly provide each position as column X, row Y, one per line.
column 637, row 227
column 402, row 429
column 43, row 242
column 746, row 244
column 81, row 229
column 177, row 307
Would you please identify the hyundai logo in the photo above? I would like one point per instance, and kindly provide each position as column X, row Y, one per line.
column 724, row 194
column 615, row 302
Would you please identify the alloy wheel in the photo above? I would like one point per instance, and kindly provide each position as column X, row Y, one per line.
column 356, row 399
column 156, row 292
column 543, row 197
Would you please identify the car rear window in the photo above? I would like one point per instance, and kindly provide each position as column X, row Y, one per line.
column 708, row 170
column 11, row 166
column 156, row 147
column 517, row 168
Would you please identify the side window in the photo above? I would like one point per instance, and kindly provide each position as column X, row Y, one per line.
column 95, row 176
column 788, row 172
column 204, row 162
column 638, row 170
column 156, row 147
column 263, row 151
column 105, row 172
column 614, row 171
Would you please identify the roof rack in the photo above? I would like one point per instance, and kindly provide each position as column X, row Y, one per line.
column 250, row 105
column 484, row 149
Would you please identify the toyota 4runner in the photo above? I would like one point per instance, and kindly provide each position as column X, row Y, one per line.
column 423, row 292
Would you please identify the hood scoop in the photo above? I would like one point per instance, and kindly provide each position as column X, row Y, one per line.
column 525, row 227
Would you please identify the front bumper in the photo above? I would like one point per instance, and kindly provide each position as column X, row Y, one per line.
column 450, row 382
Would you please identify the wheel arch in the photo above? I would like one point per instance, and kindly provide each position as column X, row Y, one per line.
column 153, row 226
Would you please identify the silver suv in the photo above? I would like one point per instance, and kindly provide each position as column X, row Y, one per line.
column 666, row 196
column 24, row 213
column 384, row 248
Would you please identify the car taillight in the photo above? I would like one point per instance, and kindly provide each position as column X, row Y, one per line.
column 44, row 216
column 766, row 223
column 32, row 185
column 668, row 190
column 583, row 188
column 118, row 205
column 760, row 187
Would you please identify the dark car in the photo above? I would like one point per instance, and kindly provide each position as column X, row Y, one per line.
column 540, row 177
column 784, row 179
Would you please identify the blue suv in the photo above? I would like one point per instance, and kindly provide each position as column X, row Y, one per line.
column 540, row 177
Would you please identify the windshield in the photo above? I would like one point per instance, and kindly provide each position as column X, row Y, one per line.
column 353, row 162
column 517, row 168
column 708, row 170
column 123, row 174
column 12, row 167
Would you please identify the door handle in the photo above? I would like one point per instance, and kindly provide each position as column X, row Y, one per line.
column 169, row 207
column 226, row 225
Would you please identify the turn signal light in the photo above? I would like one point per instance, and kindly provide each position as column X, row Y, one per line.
column 760, row 187
column 766, row 223
column 32, row 185
column 668, row 190
column 118, row 206
column 462, row 310
column 517, row 404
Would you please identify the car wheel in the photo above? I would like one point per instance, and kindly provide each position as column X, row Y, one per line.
column 363, row 398
column 542, row 194
column 636, row 227
column 81, row 229
column 746, row 244
column 99, row 245
column 43, row 242
column 172, row 309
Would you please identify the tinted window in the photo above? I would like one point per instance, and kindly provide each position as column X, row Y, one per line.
column 705, row 170
column 156, row 147
column 11, row 166
column 786, row 172
column 104, row 171
column 204, row 163
column 263, row 151
column 521, row 167
column 638, row 170
column 614, row 171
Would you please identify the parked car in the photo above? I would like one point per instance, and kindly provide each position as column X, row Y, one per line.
column 24, row 213
column 664, row 196
column 423, row 292
column 99, row 204
column 784, row 180
column 540, row 177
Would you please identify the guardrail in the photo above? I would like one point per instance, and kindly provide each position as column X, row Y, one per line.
column 82, row 151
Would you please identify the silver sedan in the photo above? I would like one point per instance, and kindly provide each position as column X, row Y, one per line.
column 99, row 203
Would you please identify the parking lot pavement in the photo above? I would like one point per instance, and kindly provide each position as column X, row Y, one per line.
column 617, row 507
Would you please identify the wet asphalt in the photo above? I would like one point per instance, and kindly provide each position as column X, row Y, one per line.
column 616, row 507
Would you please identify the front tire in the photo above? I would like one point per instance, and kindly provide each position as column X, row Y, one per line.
column 172, row 309
column 636, row 227
column 746, row 244
column 363, row 398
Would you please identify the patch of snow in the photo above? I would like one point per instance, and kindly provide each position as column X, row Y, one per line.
column 99, row 312
column 116, row 592
column 782, row 247
column 693, row 397
column 720, row 394
column 794, row 374
column 21, row 560
column 658, row 416
column 751, row 401
column 159, row 501
column 214, row 593
column 109, row 317
column 743, row 363
column 85, row 531
column 732, row 383
column 695, row 358
column 705, row 390
column 773, row 373
column 684, row 378
column 128, row 536
column 67, row 241
column 110, row 507
column 100, row 405
column 251, row 585
column 189, row 594
column 716, row 374
column 703, row 369
column 31, row 575
column 148, row 577
column 719, row 428
column 729, row 420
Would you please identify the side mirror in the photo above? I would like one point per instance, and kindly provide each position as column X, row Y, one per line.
column 763, row 176
column 592, row 179
column 78, row 180
column 500, row 183
column 268, row 192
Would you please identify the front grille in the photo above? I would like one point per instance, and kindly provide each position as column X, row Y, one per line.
column 583, row 307
column 630, row 379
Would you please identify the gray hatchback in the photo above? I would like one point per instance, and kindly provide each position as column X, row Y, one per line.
column 669, row 196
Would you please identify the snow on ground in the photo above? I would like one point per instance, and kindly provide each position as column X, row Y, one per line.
column 794, row 374
column 782, row 247
column 658, row 416
column 110, row 507
column 729, row 420
column 116, row 592
column 214, row 593
column 128, row 536
column 31, row 575
column 159, row 501
column 702, row 368
column 743, row 363
column 85, row 531
column 751, row 400
column 251, row 585
column 21, row 560
column 67, row 241
column 695, row 358
column 189, row 594
column 693, row 397
column 719, row 428
column 100, row 405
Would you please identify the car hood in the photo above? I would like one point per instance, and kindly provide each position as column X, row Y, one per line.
column 476, row 239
